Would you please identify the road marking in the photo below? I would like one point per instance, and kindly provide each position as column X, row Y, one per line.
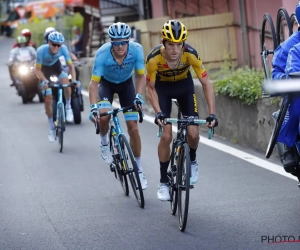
column 276, row 168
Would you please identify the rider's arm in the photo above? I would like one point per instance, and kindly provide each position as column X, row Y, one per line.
column 140, row 70
column 32, row 53
column 278, row 64
column 98, row 70
column 12, row 55
column 66, row 55
column 201, row 73
column 38, row 65
column 293, row 61
column 150, row 85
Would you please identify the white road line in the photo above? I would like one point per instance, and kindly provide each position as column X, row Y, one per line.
column 276, row 168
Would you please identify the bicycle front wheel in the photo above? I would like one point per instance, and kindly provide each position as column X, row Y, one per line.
column 183, row 180
column 119, row 173
column 131, row 169
column 60, row 128
column 172, row 175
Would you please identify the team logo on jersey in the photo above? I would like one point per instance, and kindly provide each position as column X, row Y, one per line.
column 202, row 66
column 166, row 66
column 181, row 64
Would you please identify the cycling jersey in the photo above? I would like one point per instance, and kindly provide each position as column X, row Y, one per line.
column 281, row 54
column 105, row 65
column 46, row 58
column 157, row 67
column 22, row 54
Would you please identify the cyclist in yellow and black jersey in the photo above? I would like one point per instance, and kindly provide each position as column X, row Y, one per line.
column 169, row 77
column 157, row 67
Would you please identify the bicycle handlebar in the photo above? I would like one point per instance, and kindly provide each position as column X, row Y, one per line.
column 116, row 111
column 189, row 121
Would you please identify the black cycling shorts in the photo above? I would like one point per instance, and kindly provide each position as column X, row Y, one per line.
column 183, row 91
column 126, row 92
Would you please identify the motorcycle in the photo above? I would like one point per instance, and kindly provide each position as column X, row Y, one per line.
column 27, row 83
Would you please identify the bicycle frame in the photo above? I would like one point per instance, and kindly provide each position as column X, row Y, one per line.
column 117, row 127
column 60, row 101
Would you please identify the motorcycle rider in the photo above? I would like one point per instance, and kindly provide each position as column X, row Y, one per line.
column 20, row 54
column 27, row 34
column 281, row 67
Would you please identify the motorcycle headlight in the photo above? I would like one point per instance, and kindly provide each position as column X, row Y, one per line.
column 70, row 77
column 53, row 78
column 23, row 70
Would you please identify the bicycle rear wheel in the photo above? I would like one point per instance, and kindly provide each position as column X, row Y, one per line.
column 60, row 128
column 294, row 23
column 183, row 180
column 277, row 127
column 283, row 26
column 131, row 168
column 120, row 176
column 172, row 175
column 268, row 43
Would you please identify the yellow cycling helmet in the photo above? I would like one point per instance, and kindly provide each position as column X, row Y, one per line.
column 21, row 39
column 174, row 31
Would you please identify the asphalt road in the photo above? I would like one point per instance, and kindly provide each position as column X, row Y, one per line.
column 70, row 200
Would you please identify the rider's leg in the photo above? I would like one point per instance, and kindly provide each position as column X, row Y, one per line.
column 105, row 92
column 126, row 93
column 11, row 69
column 165, row 103
column 49, row 113
column 189, row 107
column 63, row 79
column 289, row 132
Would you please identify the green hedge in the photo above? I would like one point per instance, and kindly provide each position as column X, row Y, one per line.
column 243, row 83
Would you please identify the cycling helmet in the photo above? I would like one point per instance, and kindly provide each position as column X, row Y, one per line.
column 26, row 32
column 21, row 39
column 47, row 32
column 56, row 37
column 174, row 31
column 297, row 12
column 119, row 30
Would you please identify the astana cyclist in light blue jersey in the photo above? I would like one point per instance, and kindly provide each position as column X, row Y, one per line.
column 113, row 67
column 48, row 64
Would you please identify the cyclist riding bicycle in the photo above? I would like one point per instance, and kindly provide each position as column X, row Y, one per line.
column 168, row 77
column 27, row 34
column 281, row 66
column 47, row 65
column 113, row 66
column 21, row 53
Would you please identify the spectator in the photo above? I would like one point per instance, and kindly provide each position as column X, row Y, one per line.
column 77, row 41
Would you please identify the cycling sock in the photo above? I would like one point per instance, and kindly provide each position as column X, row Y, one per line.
column 193, row 154
column 163, row 172
column 51, row 123
column 104, row 139
column 139, row 164
column 68, row 103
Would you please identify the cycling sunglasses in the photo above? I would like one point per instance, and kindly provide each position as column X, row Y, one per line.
column 120, row 42
column 56, row 45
